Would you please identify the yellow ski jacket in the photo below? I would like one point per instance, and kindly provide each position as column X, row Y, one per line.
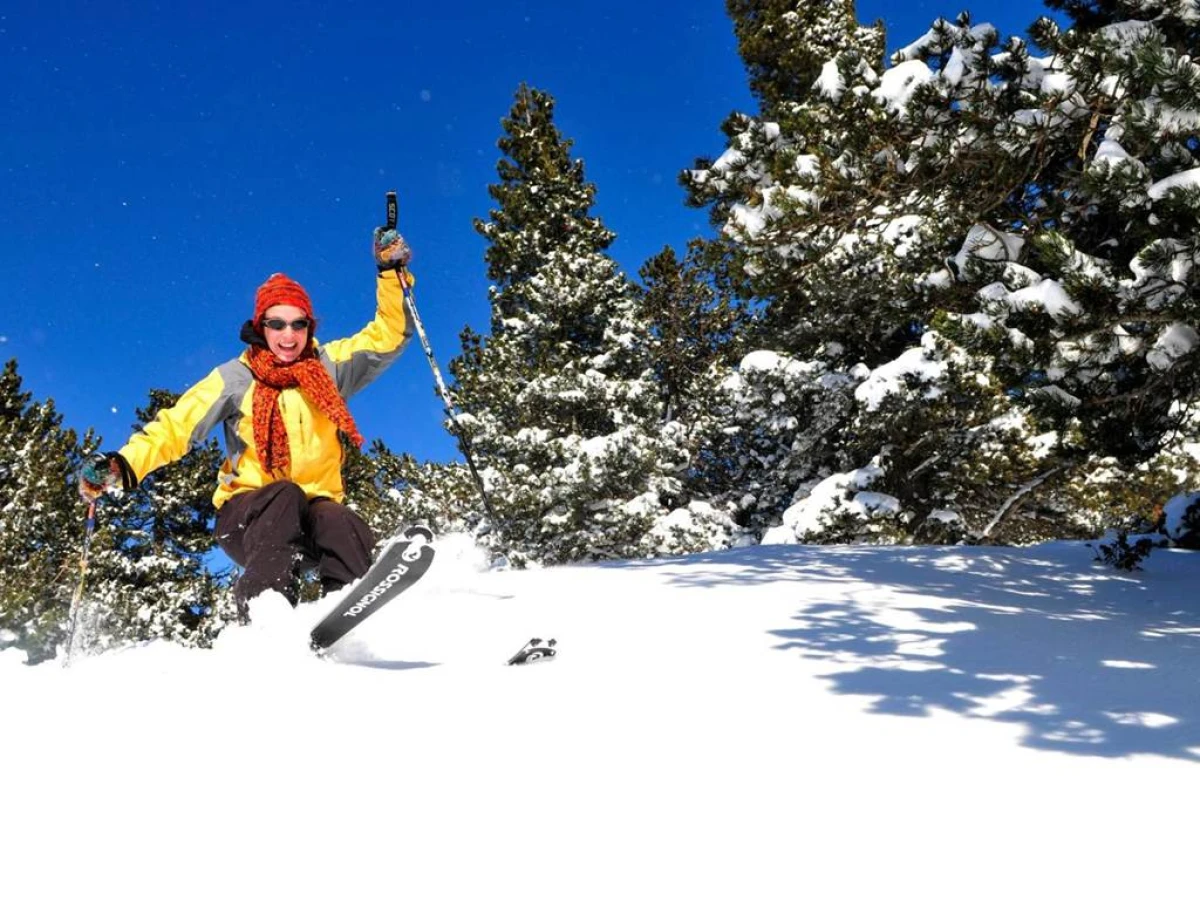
column 225, row 397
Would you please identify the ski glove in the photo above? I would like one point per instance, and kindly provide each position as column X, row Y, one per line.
column 104, row 473
column 391, row 250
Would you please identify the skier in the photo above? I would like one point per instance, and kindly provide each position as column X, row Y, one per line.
column 282, row 404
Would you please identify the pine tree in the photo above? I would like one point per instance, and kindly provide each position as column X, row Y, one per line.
column 149, row 576
column 1090, row 311
column 41, row 519
column 1124, row 241
column 366, row 491
column 822, row 228
column 785, row 44
column 965, row 245
column 393, row 491
column 691, row 328
column 789, row 188
column 559, row 400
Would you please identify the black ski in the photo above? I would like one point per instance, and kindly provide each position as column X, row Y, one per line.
column 535, row 650
column 399, row 567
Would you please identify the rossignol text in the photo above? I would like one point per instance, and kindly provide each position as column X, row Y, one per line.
column 378, row 591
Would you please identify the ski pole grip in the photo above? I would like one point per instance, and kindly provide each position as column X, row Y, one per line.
column 391, row 210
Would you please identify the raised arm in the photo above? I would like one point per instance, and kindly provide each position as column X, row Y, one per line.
column 358, row 360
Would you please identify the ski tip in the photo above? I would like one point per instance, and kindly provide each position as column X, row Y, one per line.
column 535, row 650
column 412, row 532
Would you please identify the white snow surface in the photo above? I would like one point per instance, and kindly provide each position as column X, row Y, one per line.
column 775, row 721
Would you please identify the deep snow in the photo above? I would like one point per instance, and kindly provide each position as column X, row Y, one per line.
column 778, row 721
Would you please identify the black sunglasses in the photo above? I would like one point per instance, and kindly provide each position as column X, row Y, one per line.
column 280, row 324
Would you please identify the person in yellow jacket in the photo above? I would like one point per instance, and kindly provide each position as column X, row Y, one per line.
column 282, row 405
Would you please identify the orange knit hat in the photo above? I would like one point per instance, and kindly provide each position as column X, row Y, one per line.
column 279, row 290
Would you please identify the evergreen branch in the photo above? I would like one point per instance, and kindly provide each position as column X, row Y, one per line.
column 1012, row 503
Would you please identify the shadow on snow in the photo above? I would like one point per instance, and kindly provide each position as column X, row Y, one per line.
column 393, row 665
column 1089, row 660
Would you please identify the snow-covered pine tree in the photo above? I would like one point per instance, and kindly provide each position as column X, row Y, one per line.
column 393, row 491
column 790, row 185
column 442, row 496
column 696, row 335
column 822, row 225
column 1083, row 274
column 41, row 519
column 785, row 44
column 865, row 215
column 147, row 578
column 366, row 491
column 559, row 400
column 690, row 328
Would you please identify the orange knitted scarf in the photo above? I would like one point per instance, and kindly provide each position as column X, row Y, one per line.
column 271, row 376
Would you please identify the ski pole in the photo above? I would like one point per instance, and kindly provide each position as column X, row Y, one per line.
column 77, row 598
column 464, row 443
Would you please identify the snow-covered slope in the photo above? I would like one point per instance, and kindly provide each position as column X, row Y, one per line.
column 770, row 722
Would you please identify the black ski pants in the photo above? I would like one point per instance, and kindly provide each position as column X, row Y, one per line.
column 276, row 531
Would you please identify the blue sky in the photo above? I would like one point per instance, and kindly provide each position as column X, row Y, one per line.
column 159, row 161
